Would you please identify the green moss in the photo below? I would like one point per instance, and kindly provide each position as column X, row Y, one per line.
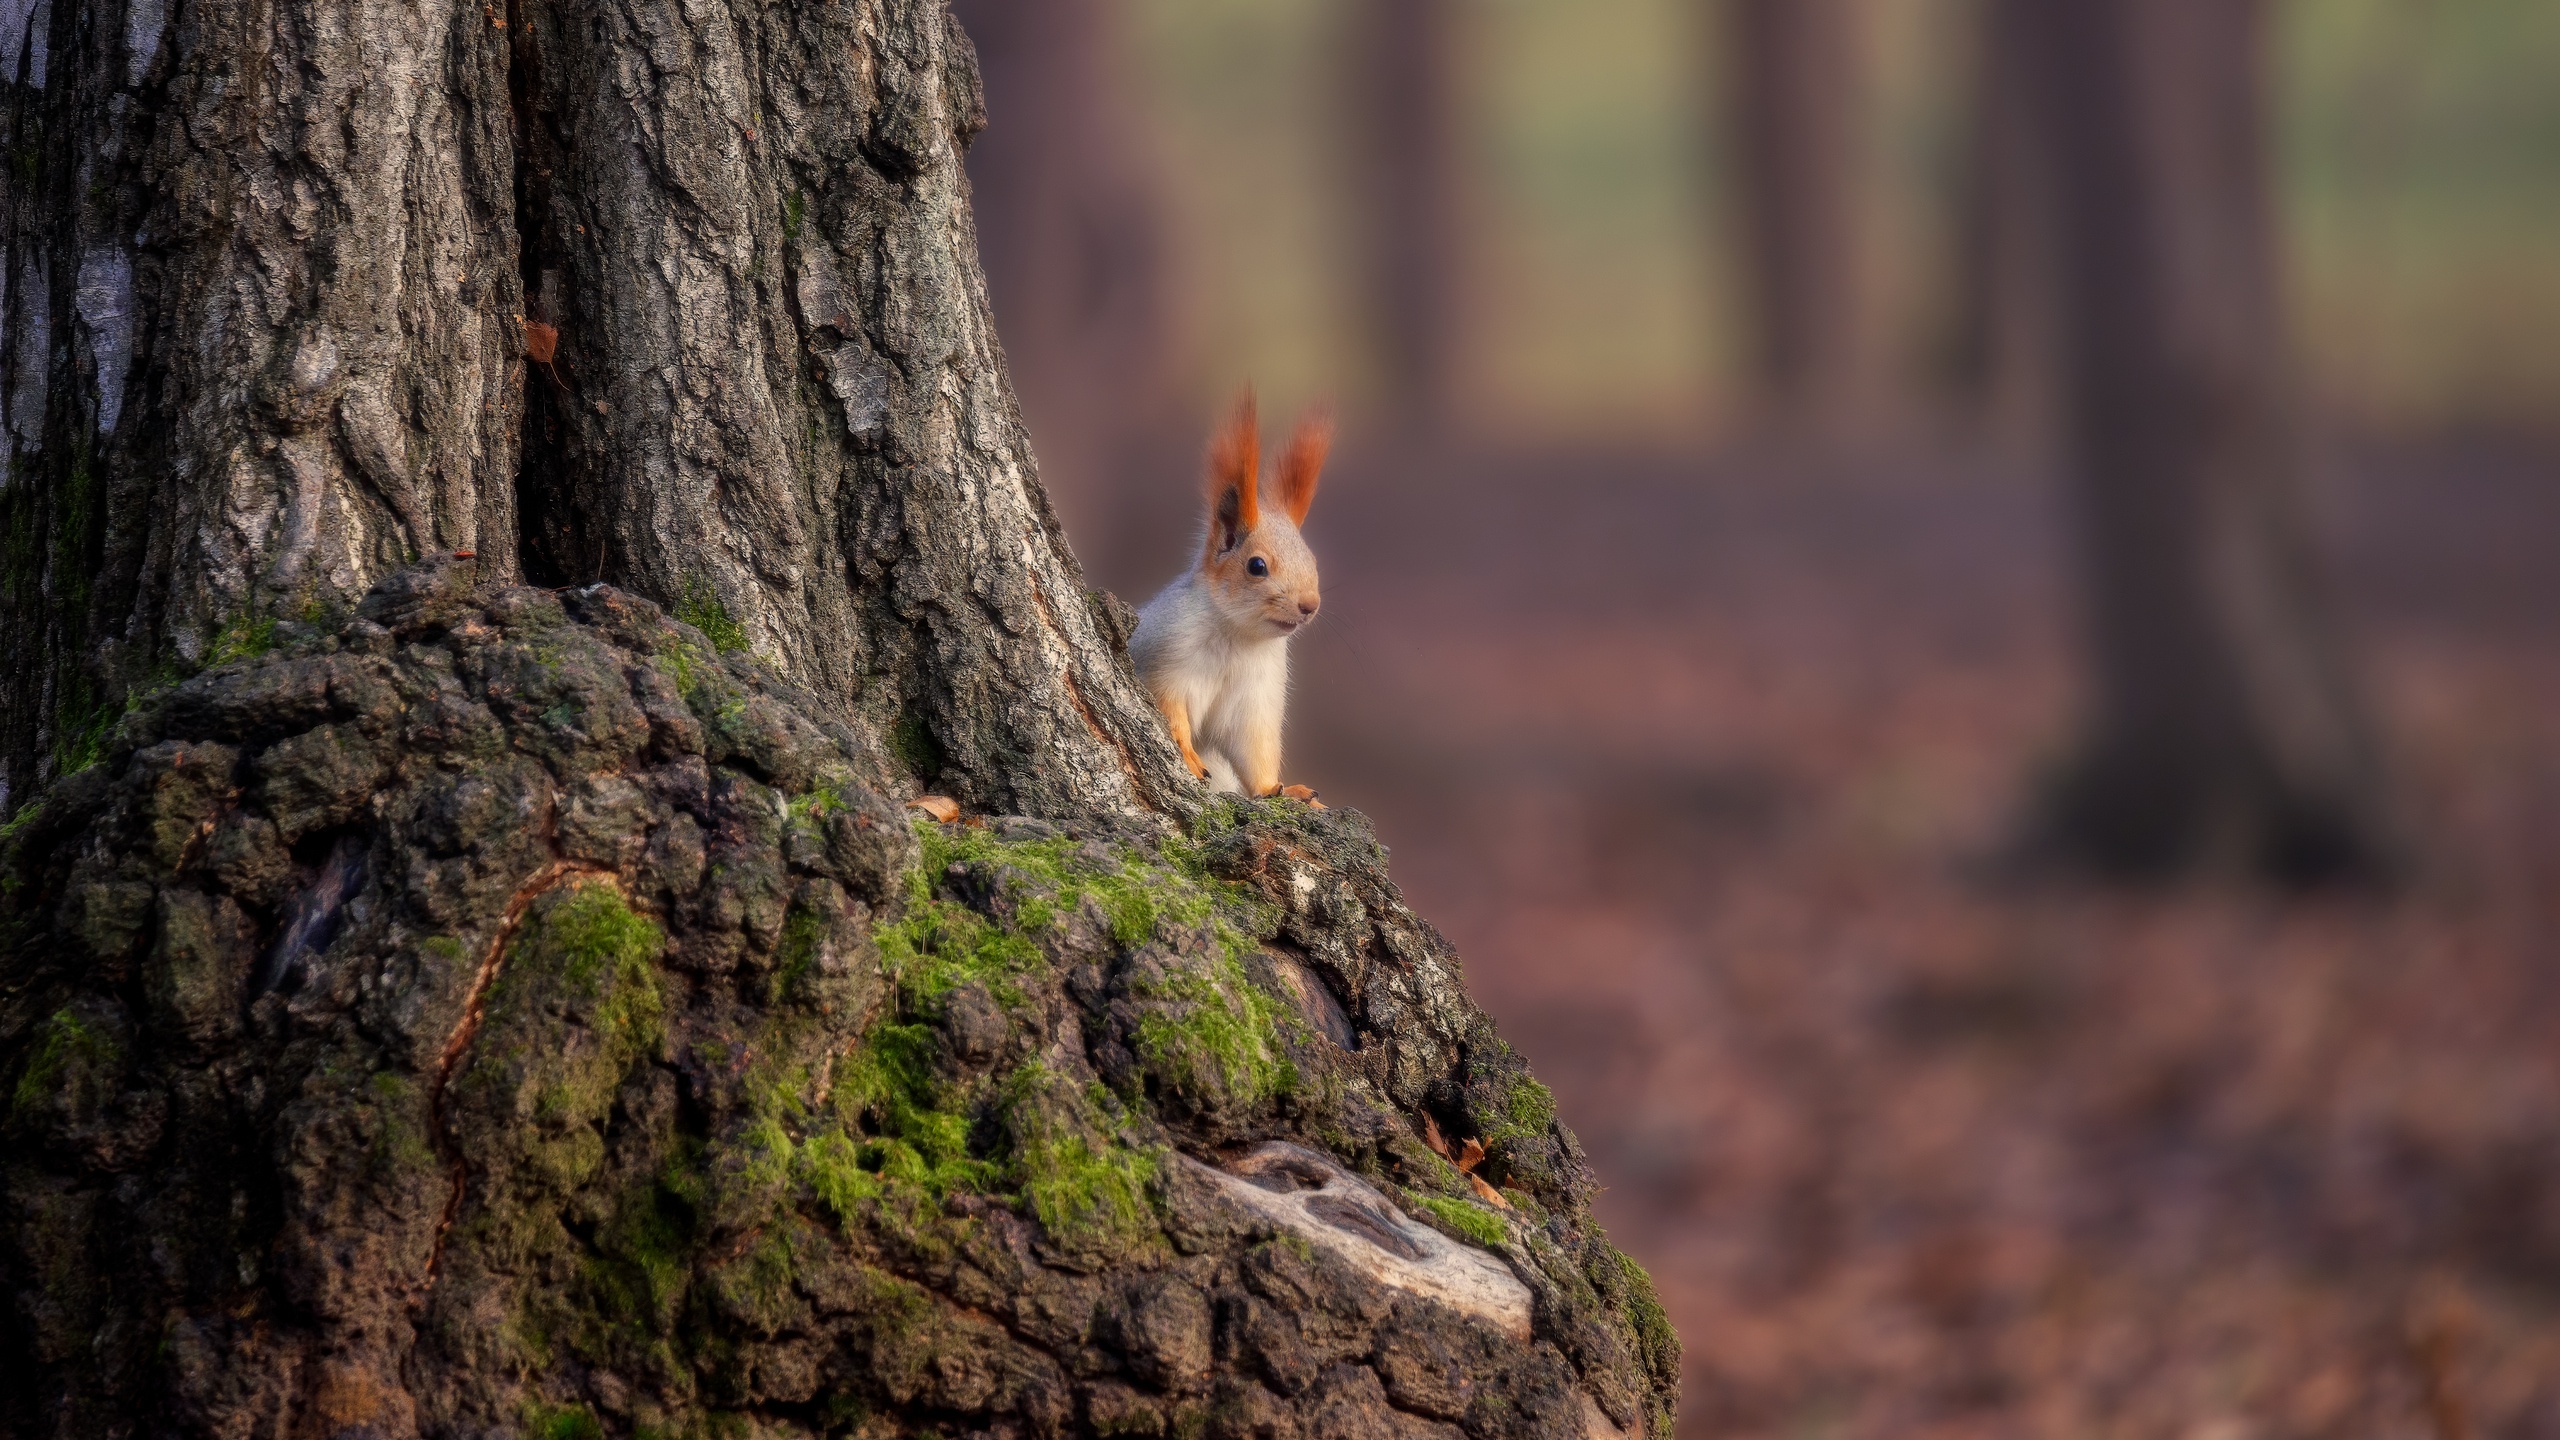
column 82, row 724
column 16, row 824
column 400, row 1144
column 1467, row 1219
column 1644, row 1312
column 1215, row 1034
column 701, row 608
column 795, row 213
column 560, row 1422
column 757, row 1285
column 642, row 1263
column 243, row 639
column 841, row 1412
column 609, row 952
column 583, row 962
column 1087, row 1187
column 939, row 945
column 1528, row 1109
column 67, row 1045
column 901, row 1121
column 831, row 1166
column 913, row 742
column 1142, row 897
column 795, row 953
column 690, row 664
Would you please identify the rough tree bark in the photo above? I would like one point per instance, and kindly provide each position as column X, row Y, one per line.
column 261, row 341
column 433, row 1004
column 1795, row 76
column 2224, row 726
column 281, row 252
column 1077, row 249
column 1403, row 57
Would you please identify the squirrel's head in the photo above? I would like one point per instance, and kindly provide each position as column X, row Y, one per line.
column 1258, row 568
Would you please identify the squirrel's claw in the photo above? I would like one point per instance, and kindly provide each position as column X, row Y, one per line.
column 1301, row 792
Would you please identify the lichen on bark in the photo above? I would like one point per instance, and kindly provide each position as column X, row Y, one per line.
column 646, row 1069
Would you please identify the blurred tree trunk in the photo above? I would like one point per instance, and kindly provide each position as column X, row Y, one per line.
column 710, row 327
column 1073, row 232
column 1405, row 59
column 2224, row 726
column 1797, row 86
column 2005, row 344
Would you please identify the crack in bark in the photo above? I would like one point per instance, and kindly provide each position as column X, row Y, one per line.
column 551, row 876
column 1138, row 786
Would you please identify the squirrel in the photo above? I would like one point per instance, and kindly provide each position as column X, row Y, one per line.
column 1213, row 647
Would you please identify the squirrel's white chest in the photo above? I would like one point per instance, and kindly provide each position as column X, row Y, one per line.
column 1234, row 691
column 1244, row 693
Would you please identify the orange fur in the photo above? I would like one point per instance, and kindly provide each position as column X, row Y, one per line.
column 1177, row 718
column 1235, row 477
column 1303, row 464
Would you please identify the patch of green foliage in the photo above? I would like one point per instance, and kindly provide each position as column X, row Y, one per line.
column 894, row 1132
column 701, row 607
column 67, row 1041
column 1216, row 1032
column 1465, row 1217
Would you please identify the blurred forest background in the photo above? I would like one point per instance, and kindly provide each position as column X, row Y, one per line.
column 1956, row 604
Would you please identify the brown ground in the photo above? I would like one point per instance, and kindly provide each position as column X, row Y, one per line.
column 1700, row 765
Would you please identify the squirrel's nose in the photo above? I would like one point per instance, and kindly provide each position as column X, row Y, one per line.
column 1309, row 606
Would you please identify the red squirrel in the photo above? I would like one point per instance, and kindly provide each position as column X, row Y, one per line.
column 1213, row 648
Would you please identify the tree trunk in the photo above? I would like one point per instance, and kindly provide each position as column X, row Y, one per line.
column 261, row 345
column 1404, row 57
column 2224, row 726
column 1797, row 88
column 438, row 1005
column 771, row 392
column 2007, row 338
column 1076, row 245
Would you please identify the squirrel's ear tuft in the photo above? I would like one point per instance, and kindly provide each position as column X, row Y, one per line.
column 1235, row 470
column 1304, row 464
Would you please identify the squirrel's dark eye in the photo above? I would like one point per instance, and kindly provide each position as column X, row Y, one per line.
column 1257, row 567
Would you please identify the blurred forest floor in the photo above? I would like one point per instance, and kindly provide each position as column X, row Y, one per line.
column 1704, row 775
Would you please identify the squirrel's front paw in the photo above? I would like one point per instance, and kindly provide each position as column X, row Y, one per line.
column 1300, row 792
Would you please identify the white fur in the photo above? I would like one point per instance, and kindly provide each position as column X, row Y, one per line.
column 1234, row 679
